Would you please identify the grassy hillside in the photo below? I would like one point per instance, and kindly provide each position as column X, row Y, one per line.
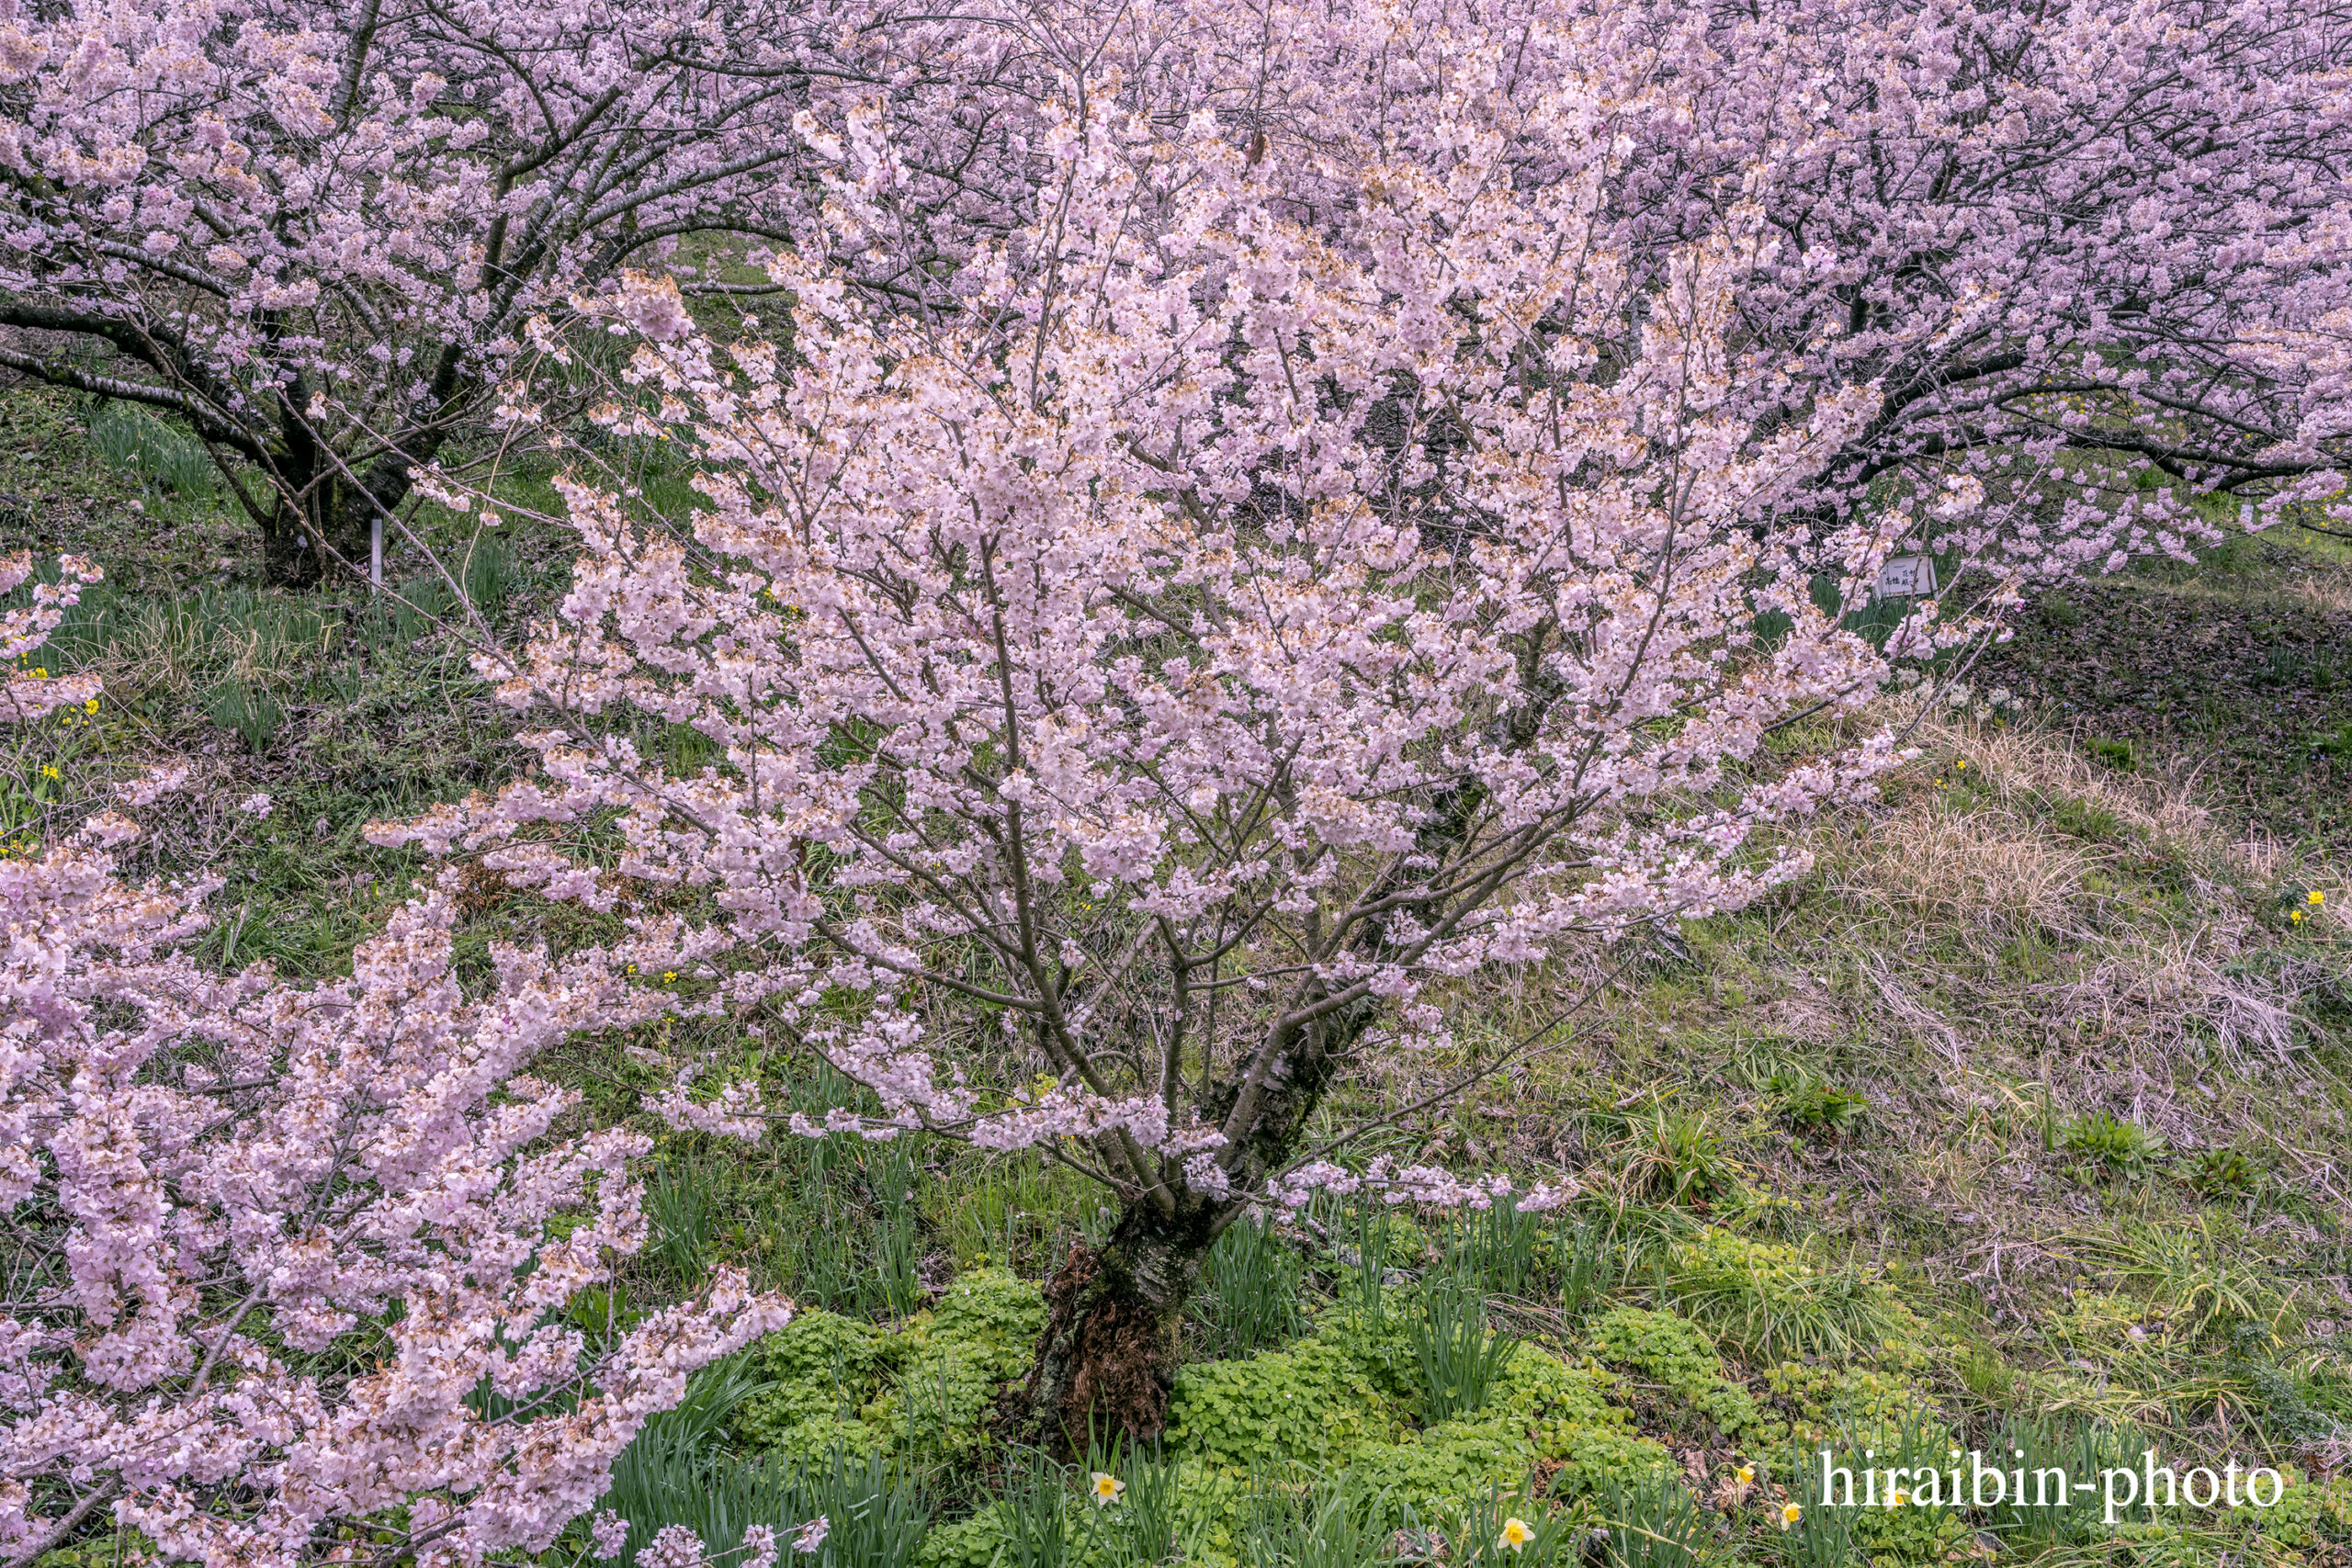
column 2019, row 1125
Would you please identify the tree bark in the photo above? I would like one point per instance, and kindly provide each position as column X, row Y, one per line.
column 338, row 512
column 1107, row 1359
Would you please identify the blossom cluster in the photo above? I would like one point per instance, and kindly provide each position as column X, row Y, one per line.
column 311, row 229
column 30, row 691
column 333, row 1243
column 1179, row 676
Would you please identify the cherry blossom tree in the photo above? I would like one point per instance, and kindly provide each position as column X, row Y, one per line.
column 287, row 1259
column 1304, row 575
column 1266, row 517
column 2092, row 257
column 2080, row 249
column 309, row 228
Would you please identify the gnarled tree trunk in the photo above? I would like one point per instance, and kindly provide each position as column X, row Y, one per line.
column 1107, row 1359
column 326, row 510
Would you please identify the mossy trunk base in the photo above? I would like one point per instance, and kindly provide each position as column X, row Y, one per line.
column 1107, row 1360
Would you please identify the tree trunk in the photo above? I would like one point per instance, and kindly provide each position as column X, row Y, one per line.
column 307, row 544
column 1107, row 1359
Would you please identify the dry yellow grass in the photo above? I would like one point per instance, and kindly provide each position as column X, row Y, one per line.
column 2122, row 963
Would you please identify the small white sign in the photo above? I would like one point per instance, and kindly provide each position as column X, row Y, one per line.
column 1907, row 577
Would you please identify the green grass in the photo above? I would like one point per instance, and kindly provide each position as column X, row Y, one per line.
column 1461, row 1357
column 2241, row 666
column 2025, row 1106
column 1249, row 1289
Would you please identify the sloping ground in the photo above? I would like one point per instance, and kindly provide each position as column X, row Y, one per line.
column 2239, row 669
column 2019, row 1122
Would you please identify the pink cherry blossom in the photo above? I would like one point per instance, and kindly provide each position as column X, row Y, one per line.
column 285, row 1235
column 608, row 1534
column 1187, row 679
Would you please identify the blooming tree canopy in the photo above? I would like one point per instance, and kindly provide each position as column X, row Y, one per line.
column 333, row 1245
column 310, row 228
column 1301, row 573
column 2092, row 256
column 2054, row 237
column 1264, row 515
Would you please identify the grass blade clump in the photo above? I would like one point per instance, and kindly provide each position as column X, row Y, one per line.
column 1774, row 1301
column 1652, row 1520
column 1249, row 1289
column 1460, row 1359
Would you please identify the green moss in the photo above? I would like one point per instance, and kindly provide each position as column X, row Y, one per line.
column 1314, row 1403
column 838, row 1384
column 1681, row 1354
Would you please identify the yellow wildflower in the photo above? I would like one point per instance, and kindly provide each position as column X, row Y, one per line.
column 1790, row 1514
column 49, row 770
column 1744, row 1475
column 1515, row 1535
column 669, row 976
column 2315, row 897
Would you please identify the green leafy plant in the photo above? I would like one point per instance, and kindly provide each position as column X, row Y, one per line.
column 876, row 1510
column 1678, row 1354
column 1249, row 1290
column 2111, row 1143
column 1816, row 1109
column 1668, row 1157
column 1460, row 1358
column 1916, row 1523
column 486, row 571
column 2222, row 1173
